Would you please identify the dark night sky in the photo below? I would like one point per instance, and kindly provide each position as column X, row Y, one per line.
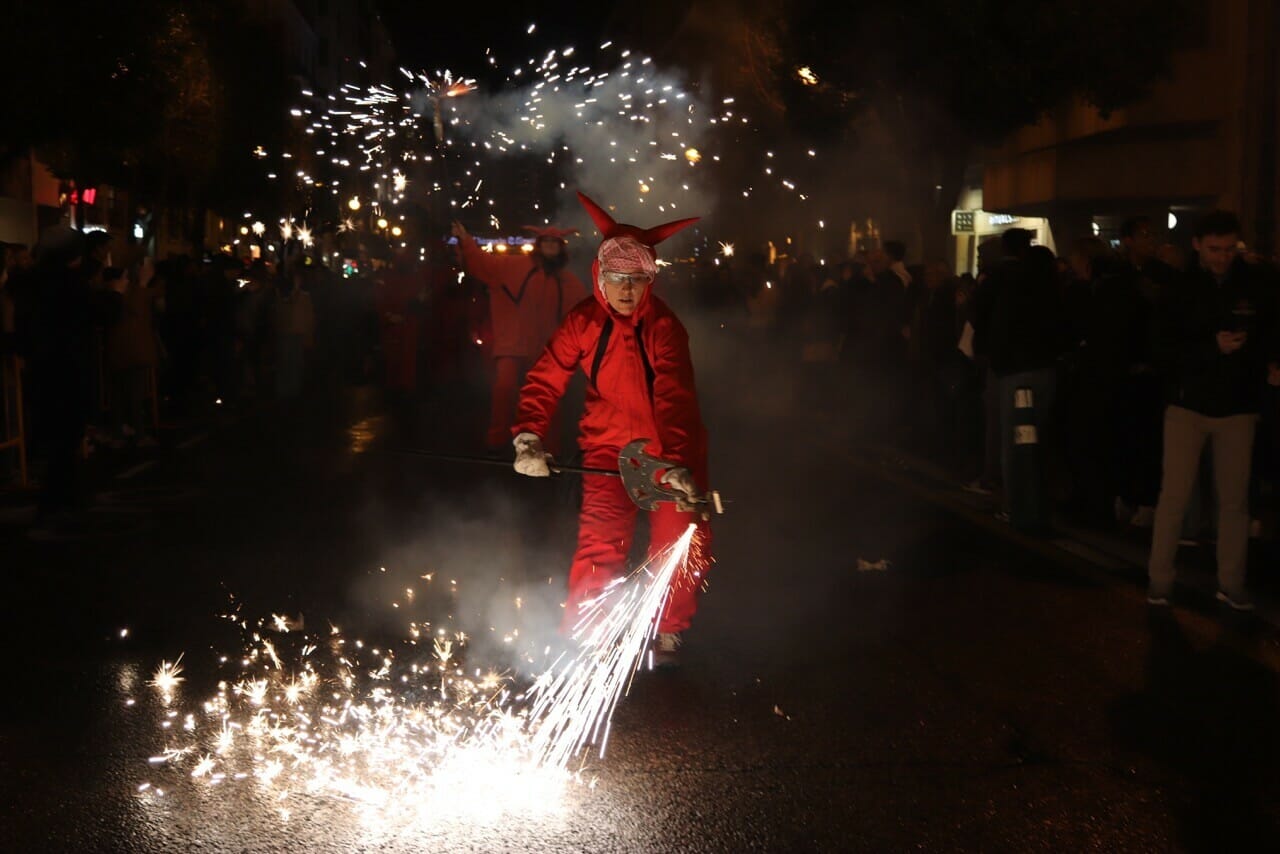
column 429, row 38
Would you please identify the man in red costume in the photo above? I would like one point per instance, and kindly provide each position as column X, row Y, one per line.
column 635, row 353
column 528, row 295
column 398, row 297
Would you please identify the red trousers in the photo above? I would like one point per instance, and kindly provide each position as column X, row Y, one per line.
column 606, row 527
column 508, row 376
column 400, row 348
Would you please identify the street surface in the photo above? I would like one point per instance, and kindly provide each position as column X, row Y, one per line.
column 973, row 695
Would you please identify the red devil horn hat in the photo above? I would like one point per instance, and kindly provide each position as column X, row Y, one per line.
column 650, row 237
column 549, row 232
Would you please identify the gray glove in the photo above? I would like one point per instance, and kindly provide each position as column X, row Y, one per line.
column 681, row 479
column 531, row 459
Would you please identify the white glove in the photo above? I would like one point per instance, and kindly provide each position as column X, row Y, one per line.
column 531, row 459
column 681, row 479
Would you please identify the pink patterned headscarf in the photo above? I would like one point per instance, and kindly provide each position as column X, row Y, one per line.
column 624, row 255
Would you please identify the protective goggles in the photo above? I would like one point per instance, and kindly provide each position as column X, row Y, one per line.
column 620, row 279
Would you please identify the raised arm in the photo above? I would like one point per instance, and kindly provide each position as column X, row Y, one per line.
column 492, row 269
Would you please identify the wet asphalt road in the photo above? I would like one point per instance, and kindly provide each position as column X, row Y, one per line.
column 973, row 696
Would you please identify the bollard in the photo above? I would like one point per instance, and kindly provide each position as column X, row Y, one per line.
column 1028, row 505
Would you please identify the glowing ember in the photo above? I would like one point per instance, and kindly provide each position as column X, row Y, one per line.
column 167, row 679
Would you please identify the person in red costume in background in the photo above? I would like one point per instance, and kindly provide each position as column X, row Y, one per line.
column 640, row 385
column 398, row 295
column 528, row 295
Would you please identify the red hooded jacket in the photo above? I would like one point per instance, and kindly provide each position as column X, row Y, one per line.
column 639, row 379
column 525, row 304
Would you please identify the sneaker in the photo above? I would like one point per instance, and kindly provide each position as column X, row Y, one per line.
column 977, row 487
column 1238, row 601
column 1143, row 517
column 666, row 651
column 1158, row 596
column 1123, row 512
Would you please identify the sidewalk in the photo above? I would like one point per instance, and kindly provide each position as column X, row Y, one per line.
column 109, row 468
column 1120, row 554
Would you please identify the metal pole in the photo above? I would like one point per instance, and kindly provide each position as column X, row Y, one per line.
column 490, row 461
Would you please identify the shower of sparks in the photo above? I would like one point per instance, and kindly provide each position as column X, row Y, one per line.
column 575, row 706
column 411, row 732
column 627, row 118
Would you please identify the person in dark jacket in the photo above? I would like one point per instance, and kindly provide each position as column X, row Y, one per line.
column 1021, row 328
column 1110, row 324
column 1141, row 401
column 63, row 314
column 1215, row 346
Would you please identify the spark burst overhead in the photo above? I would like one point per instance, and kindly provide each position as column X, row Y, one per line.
column 624, row 124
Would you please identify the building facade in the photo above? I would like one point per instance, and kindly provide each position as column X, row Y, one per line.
column 1204, row 138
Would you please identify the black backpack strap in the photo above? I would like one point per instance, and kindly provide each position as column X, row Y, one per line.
column 516, row 298
column 601, row 345
column 644, row 357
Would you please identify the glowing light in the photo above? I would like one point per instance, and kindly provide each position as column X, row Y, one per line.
column 692, row 155
column 806, row 75
column 396, row 231
column 726, row 249
column 354, row 203
column 382, row 222
column 167, row 678
column 258, row 229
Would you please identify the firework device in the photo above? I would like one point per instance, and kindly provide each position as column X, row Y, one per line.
column 640, row 473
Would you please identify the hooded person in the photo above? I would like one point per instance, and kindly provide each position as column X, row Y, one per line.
column 635, row 353
column 528, row 296
column 398, row 300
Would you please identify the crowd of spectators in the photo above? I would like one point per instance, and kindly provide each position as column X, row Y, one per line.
column 111, row 345
column 1127, row 359
column 1148, row 373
